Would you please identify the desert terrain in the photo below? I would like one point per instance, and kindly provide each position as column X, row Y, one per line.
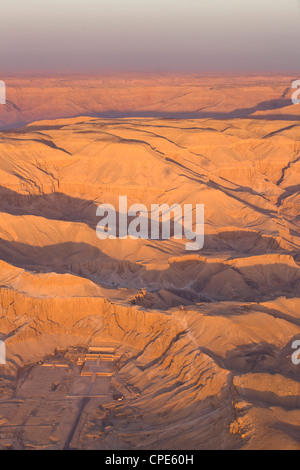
column 140, row 344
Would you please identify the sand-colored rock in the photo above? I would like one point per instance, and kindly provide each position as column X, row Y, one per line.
column 205, row 338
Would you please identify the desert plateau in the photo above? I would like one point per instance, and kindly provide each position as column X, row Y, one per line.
column 140, row 343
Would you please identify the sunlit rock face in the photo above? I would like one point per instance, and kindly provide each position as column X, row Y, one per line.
column 202, row 340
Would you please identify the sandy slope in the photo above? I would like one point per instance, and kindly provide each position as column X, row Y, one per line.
column 208, row 334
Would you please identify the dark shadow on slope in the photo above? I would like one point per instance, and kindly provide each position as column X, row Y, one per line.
column 51, row 144
column 289, row 191
column 202, row 281
column 291, row 430
column 53, row 206
column 59, row 206
column 289, row 402
column 259, row 358
column 239, row 113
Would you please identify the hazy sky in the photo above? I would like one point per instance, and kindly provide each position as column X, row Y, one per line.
column 149, row 35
